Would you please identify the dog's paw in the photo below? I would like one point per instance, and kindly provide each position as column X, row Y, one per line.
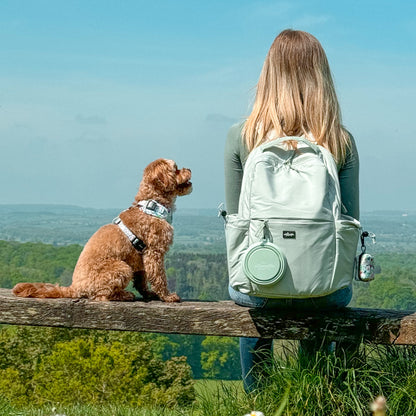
column 149, row 295
column 172, row 297
column 120, row 295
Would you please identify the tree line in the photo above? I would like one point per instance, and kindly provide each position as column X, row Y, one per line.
column 202, row 276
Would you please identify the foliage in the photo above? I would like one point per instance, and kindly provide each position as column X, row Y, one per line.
column 30, row 262
column 209, row 357
column 12, row 386
column 187, row 345
column 219, row 357
column 89, row 367
column 198, row 276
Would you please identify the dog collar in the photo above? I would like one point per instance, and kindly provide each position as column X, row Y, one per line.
column 138, row 244
column 152, row 207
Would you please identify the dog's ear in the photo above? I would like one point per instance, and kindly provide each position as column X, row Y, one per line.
column 161, row 175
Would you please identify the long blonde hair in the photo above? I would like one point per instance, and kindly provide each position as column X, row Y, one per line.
column 296, row 96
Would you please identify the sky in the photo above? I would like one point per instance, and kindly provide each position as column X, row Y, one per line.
column 93, row 91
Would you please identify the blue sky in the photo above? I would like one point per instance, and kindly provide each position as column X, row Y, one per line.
column 93, row 91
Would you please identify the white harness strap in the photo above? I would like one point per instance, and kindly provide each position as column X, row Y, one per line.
column 138, row 244
column 152, row 207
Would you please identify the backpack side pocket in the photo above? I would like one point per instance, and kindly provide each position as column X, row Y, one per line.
column 236, row 237
column 348, row 232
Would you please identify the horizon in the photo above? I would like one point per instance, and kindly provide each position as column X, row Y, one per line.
column 90, row 93
column 402, row 211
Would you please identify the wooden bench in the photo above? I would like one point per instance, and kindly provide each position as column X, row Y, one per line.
column 210, row 318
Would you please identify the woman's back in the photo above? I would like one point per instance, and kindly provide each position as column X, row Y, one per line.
column 235, row 156
column 295, row 97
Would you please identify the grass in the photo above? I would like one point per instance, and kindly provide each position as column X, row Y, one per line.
column 87, row 410
column 327, row 385
column 205, row 390
column 324, row 386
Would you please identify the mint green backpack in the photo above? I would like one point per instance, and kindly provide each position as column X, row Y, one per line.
column 290, row 238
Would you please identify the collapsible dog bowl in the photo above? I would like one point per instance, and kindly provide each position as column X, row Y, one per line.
column 264, row 263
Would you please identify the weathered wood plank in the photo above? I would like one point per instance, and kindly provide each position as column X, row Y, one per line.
column 209, row 318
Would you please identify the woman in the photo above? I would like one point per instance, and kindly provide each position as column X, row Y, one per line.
column 295, row 97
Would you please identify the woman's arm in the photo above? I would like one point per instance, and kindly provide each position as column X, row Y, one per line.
column 233, row 168
column 349, row 182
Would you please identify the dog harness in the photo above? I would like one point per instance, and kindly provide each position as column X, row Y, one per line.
column 152, row 207
column 138, row 244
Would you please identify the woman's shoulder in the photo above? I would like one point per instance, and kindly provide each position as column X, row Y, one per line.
column 352, row 140
column 235, row 135
column 235, row 145
column 351, row 158
column 236, row 130
column 353, row 145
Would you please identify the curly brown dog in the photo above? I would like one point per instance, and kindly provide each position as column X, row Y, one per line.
column 109, row 261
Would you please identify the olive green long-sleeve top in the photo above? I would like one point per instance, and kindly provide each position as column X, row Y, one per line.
column 236, row 154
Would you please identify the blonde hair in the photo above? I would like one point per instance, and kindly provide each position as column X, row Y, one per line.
column 296, row 96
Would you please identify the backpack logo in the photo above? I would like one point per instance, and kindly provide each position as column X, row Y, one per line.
column 289, row 234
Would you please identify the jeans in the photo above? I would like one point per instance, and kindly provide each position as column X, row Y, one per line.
column 253, row 351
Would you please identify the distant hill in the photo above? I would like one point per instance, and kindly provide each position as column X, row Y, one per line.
column 195, row 229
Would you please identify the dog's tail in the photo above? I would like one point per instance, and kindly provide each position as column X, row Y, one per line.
column 42, row 290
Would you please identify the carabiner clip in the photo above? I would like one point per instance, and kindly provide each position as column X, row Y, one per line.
column 365, row 234
column 222, row 212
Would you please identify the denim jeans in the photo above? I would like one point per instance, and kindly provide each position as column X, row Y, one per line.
column 253, row 351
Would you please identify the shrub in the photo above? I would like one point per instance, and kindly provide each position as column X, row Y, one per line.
column 91, row 368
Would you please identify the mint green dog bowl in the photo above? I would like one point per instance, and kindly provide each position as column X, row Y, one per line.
column 264, row 263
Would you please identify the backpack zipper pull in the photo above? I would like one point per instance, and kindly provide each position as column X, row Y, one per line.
column 267, row 235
